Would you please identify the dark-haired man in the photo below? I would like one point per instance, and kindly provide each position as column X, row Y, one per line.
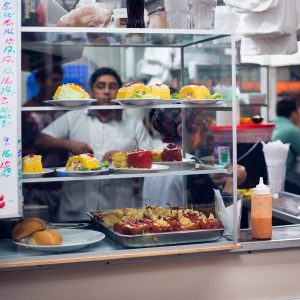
column 286, row 130
column 100, row 132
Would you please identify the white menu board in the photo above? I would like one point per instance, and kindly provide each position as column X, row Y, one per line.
column 10, row 141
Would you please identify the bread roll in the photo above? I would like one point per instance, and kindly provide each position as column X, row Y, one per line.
column 27, row 227
column 48, row 237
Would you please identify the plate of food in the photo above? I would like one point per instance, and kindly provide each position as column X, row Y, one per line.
column 70, row 95
column 137, row 93
column 71, row 103
column 155, row 226
column 33, row 234
column 32, row 167
column 198, row 94
column 83, row 164
column 137, row 161
column 154, row 168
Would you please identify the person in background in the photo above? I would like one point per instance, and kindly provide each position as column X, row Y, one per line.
column 100, row 132
column 171, row 189
column 287, row 131
column 48, row 79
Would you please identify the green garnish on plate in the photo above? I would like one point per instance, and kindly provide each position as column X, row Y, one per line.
column 175, row 96
column 217, row 96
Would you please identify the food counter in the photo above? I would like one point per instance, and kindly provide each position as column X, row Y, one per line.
column 271, row 266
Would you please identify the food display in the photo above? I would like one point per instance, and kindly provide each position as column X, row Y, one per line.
column 141, row 159
column 140, row 90
column 161, row 91
column 84, row 162
column 70, row 91
column 155, row 219
column 197, row 92
column 169, row 153
column 32, row 164
column 34, row 232
column 133, row 90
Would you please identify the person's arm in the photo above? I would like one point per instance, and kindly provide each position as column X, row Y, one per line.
column 142, row 135
column 56, row 137
column 294, row 139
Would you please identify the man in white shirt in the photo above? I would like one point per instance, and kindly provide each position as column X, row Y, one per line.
column 100, row 132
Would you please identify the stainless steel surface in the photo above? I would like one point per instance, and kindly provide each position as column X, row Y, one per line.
column 287, row 236
column 160, row 239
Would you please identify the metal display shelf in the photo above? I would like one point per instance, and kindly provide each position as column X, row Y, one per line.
column 116, row 37
column 216, row 107
column 122, row 176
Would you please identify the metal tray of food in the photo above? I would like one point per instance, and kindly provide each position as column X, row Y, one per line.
column 160, row 239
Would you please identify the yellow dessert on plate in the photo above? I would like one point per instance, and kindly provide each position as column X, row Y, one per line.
column 194, row 92
column 133, row 90
column 82, row 162
column 161, row 91
column 70, row 91
column 120, row 160
column 32, row 164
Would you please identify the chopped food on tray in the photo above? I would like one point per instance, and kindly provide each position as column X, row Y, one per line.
column 85, row 162
column 70, row 91
column 32, row 164
column 155, row 219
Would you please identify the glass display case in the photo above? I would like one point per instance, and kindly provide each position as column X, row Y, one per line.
column 203, row 182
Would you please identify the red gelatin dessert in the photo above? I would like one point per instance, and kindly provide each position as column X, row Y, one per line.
column 140, row 159
column 171, row 153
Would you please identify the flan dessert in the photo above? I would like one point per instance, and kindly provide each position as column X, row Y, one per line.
column 82, row 162
column 171, row 152
column 32, row 164
column 194, row 92
column 70, row 91
column 161, row 91
column 133, row 90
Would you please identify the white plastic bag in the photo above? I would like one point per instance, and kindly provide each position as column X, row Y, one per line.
column 86, row 16
column 252, row 6
column 279, row 20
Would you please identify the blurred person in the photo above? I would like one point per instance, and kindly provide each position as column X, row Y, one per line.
column 199, row 188
column 100, row 132
column 286, row 128
column 48, row 79
column 287, row 131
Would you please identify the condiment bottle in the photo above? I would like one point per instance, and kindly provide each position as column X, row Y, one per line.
column 261, row 211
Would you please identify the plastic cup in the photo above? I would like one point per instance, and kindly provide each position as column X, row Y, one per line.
column 276, row 175
column 202, row 13
column 178, row 14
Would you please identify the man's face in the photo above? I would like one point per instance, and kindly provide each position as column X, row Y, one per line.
column 104, row 89
column 52, row 82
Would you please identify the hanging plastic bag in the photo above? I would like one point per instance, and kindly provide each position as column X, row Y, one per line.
column 86, row 16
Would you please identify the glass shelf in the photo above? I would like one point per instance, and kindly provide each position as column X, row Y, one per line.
column 122, row 176
column 115, row 37
column 216, row 107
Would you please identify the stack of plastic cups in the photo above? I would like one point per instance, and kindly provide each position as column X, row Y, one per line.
column 276, row 174
column 178, row 14
column 202, row 13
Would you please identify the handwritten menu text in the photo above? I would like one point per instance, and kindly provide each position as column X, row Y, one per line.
column 10, row 179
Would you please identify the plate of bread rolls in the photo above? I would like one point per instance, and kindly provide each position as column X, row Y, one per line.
column 34, row 234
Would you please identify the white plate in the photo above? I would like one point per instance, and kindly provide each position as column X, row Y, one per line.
column 70, row 103
column 37, row 175
column 155, row 168
column 176, row 162
column 73, row 239
column 201, row 101
column 144, row 101
column 63, row 172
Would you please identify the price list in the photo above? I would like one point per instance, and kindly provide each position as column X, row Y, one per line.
column 10, row 143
